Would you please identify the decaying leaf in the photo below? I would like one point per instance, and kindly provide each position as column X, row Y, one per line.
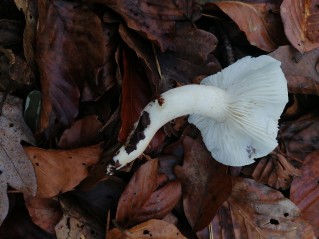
column 154, row 19
column 304, row 191
column 76, row 223
column 60, row 171
column 299, row 69
column 257, row 211
column 45, row 212
column 72, row 50
column 136, row 93
column 144, row 199
column 156, row 229
column 274, row 170
column 300, row 18
column 10, row 32
column 261, row 26
column 205, row 183
column 15, row 167
column 300, row 137
column 82, row 132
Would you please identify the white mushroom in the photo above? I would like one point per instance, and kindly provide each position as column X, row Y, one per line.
column 236, row 110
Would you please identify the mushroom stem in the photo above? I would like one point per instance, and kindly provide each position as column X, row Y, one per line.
column 184, row 100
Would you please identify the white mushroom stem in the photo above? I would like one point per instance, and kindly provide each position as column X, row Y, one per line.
column 236, row 110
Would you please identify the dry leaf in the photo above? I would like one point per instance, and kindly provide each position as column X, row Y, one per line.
column 83, row 132
column 257, row 211
column 304, row 191
column 274, row 170
column 60, row 171
column 45, row 212
column 299, row 69
column 205, row 183
column 72, row 50
column 15, row 167
column 154, row 19
column 300, row 137
column 77, row 223
column 143, row 199
column 261, row 26
column 300, row 18
column 156, row 229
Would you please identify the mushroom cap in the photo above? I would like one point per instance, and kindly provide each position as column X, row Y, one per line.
column 257, row 94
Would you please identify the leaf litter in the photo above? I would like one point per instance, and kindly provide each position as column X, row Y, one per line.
column 96, row 64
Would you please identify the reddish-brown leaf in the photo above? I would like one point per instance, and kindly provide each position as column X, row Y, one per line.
column 143, row 199
column 205, row 183
column 300, row 18
column 45, row 212
column 136, row 93
column 304, row 191
column 300, row 137
column 83, row 132
column 256, row 211
column 154, row 19
column 263, row 29
column 59, row 171
column 156, row 229
column 275, row 170
column 72, row 50
column 300, row 69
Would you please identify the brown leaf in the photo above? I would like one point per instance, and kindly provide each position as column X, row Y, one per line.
column 257, row 211
column 143, row 199
column 83, row 132
column 274, row 170
column 45, row 212
column 300, row 137
column 300, row 18
column 77, row 223
column 136, row 93
column 261, row 26
column 15, row 167
column 59, row 171
column 181, row 65
column 156, row 229
column 304, row 191
column 300, row 69
column 72, row 50
column 205, row 183
column 154, row 19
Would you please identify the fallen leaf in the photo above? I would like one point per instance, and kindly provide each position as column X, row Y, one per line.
column 262, row 28
column 274, row 170
column 82, row 132
column 143, row 199
column 205, row 183
column 45, row 212
column 154, row 19
column 100, row 199
column 60, row 171
column 304, row 191
column 299, row 69
column 76, row 223
column 300, row 18
column 156, row 229
column 299, row 138
column 257, row 211
column 71, row 52
column 15, row 167
column 136, row 93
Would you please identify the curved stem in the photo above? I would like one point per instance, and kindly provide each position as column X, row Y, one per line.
column 190, row 99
